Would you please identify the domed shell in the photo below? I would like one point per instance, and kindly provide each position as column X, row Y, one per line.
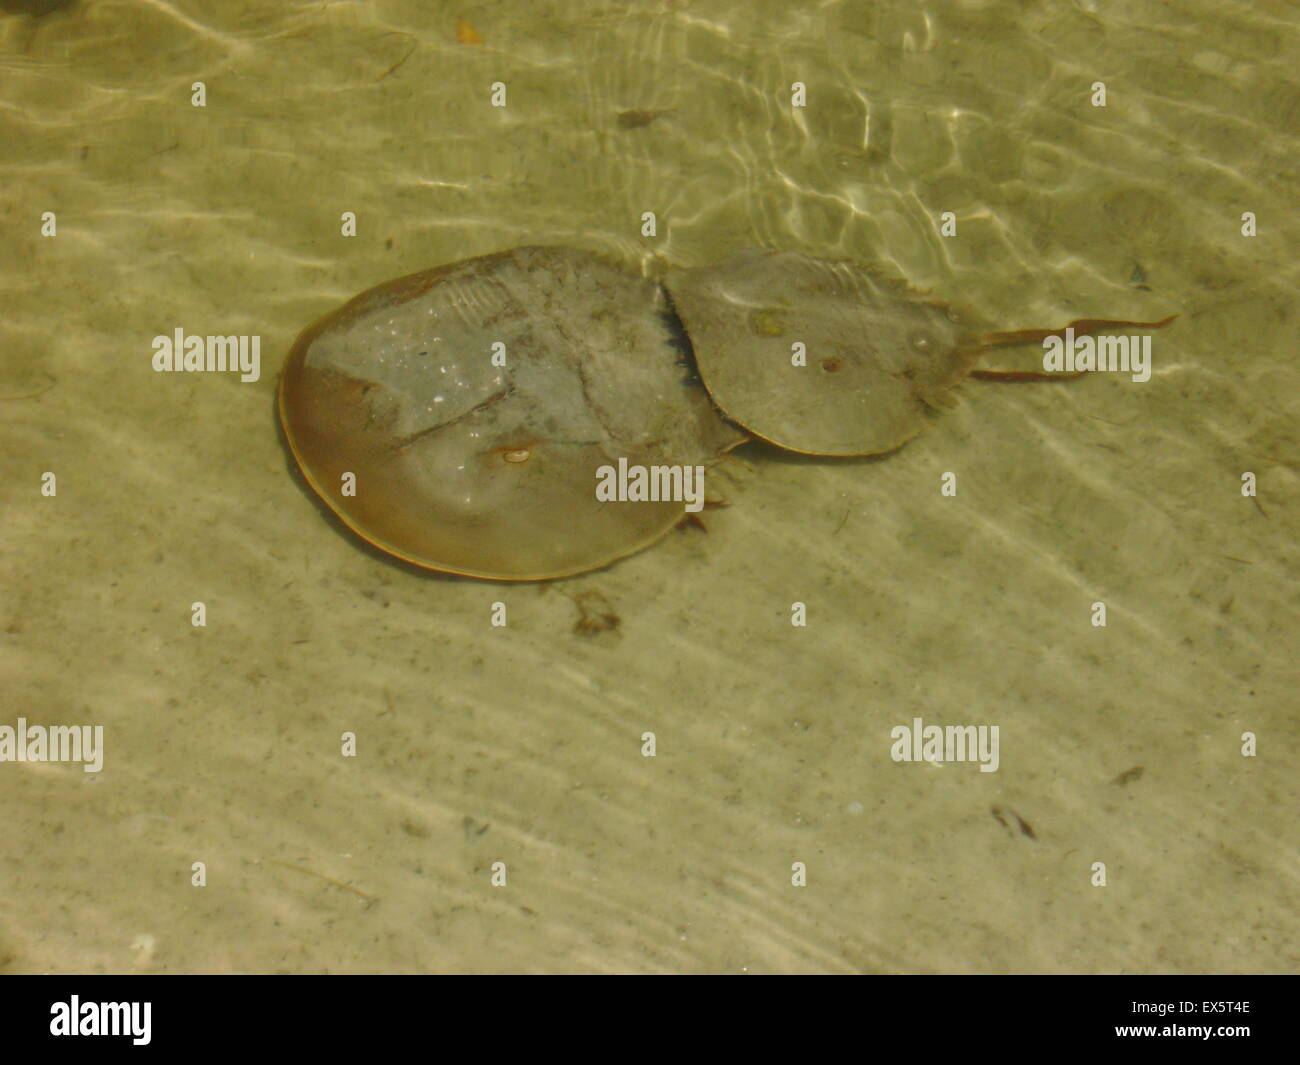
column 474, row 406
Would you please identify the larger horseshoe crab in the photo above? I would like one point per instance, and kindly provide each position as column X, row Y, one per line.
column 460, row 418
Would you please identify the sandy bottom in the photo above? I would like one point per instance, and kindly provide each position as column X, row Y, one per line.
column 1121, row 747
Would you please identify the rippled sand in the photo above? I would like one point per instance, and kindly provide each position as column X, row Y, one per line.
column 522, row 745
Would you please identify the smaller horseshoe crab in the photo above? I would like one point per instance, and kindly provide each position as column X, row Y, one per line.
column 878, row 356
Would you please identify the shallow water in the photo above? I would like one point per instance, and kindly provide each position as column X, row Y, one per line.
column 522, row 744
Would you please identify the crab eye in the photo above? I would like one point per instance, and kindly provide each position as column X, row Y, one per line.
column 921, row 342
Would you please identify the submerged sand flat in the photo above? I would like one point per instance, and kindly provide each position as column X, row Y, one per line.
column 523, row 744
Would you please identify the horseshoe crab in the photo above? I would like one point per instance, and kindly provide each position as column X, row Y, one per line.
column 460, row 418
column 831, row 358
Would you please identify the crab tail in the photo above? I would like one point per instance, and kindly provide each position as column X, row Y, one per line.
column 1080, row 326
